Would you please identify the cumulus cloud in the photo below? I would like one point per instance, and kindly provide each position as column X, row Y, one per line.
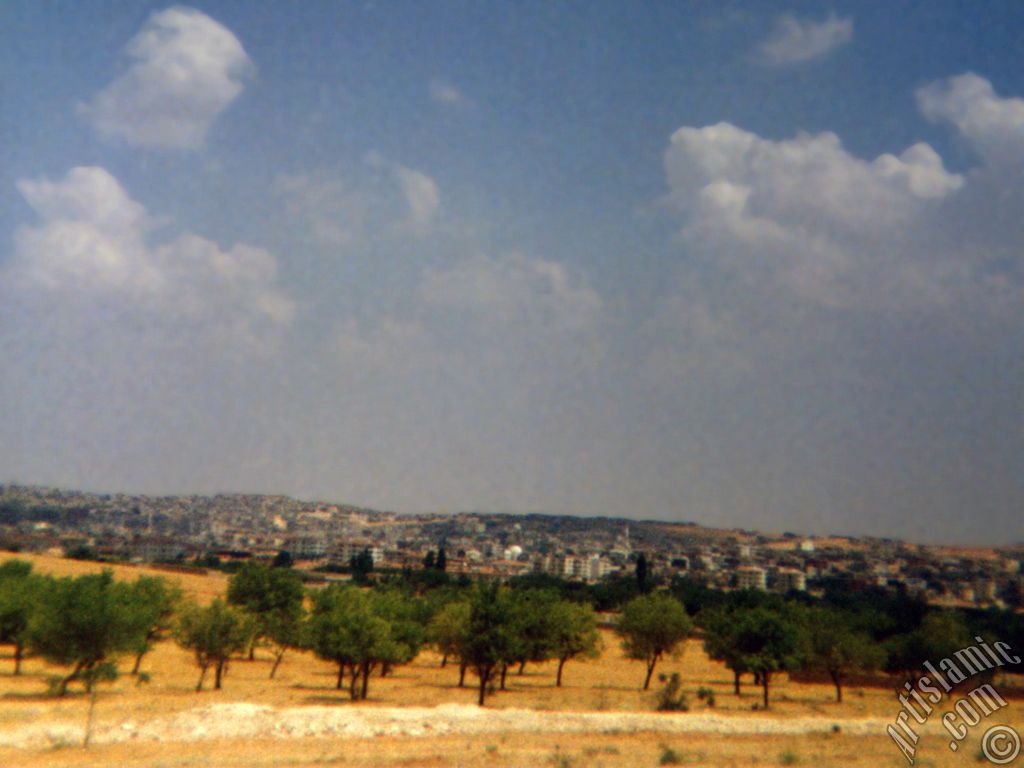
column 185, row 70
column 803, row 212
column 777, row 232
column 94, row 243
column 793, row 40
column 993, row 125
column 444, row 92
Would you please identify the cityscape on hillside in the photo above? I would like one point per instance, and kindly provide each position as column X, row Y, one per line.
column 326, row 537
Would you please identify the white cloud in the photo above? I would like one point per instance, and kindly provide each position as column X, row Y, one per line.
column 444, row 92
column 95, row 244
column 421, row 194
column 379, row 199
column 186, row 69
column 803, row 213
column 514, row 288
column 796, row 40
column 995, row 126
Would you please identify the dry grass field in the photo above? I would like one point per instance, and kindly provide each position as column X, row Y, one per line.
column 233, row 727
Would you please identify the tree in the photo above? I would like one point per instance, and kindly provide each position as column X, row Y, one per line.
column 441, row 564
column 718, row 625
column 641, row 573
column 361, row 566
column 448, row 627
column 155, row 603
column 764, row 642
column 283, row 559
column 347, row 629
column 264, row 593
column 213, row 634
column 835, row 647
column 283, row 629
column 490, row 640
column 19, row 594
column 429, row 562
column 573, row 633
column 84, row 623
column 651, row 626
column 532, row 614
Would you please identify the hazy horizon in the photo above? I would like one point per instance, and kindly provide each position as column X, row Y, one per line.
column 745, row 266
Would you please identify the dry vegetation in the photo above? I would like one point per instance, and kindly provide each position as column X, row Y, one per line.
column 610, row 685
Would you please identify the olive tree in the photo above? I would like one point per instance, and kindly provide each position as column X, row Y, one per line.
column 213, row 633
column 268, row 594
column 651, row 626
column 85, row 623
column 19, row 595
column 573, row 633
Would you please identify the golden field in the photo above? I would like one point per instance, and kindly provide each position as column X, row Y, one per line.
column 608, row 685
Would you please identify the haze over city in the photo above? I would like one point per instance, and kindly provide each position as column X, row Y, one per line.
column 731, row 263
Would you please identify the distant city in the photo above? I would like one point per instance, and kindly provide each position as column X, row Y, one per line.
column 325, row 537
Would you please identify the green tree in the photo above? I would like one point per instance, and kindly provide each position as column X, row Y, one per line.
column 20, row 590
column 718, row 625
column 213, row 633
column 346, row 628
column 267, row 594
column 573, row 633
column 835, row 647
column 490, row 641
column 765, row 642
column 361, row 566
column 84, row 623
column 641, row 573
column 447, row 630
column 651, row 626
column 155, row 603
column 441, row 564
column 283, row 630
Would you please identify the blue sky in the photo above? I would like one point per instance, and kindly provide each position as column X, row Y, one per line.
column 727, row 262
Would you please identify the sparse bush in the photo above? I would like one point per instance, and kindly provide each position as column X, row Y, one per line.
column 670, row 757
column 707, row 695
column 789, row 757
column 670, row 698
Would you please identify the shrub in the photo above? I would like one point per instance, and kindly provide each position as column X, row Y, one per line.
column 670, row 698
column 670, row 757
column 707, row 695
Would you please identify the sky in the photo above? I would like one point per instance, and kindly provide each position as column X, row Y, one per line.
column 736, row 263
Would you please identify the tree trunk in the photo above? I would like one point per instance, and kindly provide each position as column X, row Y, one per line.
column 367, row 668
column 353, row 691
column 522, row 666
column 341, row 676
column 462, row 674
column 219, row 673
column 385, row 670
column 88, row 720
column 837, row 680
column 202, row 676
column 138, row 662
column 558, row 677
column 277, row 663
column 504, row 671
column 444, row 660
column 736, row 682
column 483, row 686
column 62, row 689
column 18, row 650
column 650, row 671
column 765, row 679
